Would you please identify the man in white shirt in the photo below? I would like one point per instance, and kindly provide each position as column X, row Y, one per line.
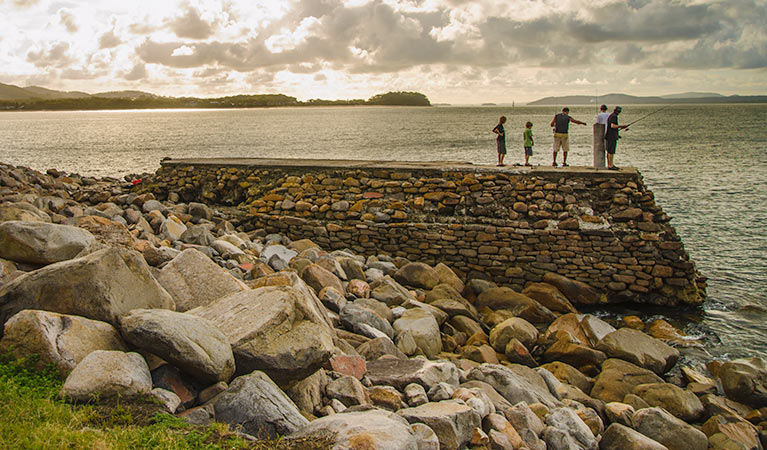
column 602, row 116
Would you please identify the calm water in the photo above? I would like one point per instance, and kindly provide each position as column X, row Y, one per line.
column 706, row 164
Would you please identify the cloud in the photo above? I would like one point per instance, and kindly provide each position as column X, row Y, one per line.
column 191, row 26
column 109, row 40
column 137, row 73
column 55, row 55
column 67, row 19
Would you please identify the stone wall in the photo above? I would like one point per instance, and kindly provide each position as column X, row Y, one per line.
column 510, row 225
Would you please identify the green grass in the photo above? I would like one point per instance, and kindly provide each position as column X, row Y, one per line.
column 33, row 417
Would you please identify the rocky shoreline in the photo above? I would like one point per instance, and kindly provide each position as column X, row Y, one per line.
column 128, row 296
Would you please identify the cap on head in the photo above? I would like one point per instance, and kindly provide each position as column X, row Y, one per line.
column 618, row 109
column 603, row 108
column 565, row 109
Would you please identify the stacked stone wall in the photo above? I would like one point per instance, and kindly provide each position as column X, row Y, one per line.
column 602, row 228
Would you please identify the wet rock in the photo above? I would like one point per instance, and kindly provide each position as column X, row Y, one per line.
column 61, row 340
column 256, row 404
column 452, row 421
column 373, row 429
column 666, row 429
column 43, row 243
column 276, row 329
column 193, row 280
column 193, row 344
column 101, row 286
column 640, row 349
column 745, row 380
column 105, row 374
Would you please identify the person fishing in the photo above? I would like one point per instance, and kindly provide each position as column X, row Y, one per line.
column 561, row 124
column 612, row 136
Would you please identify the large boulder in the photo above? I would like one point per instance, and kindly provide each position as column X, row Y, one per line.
column 105, row 374
column 402, row 372
column 621, row 437
column 503, row 298
column 453, row 421
column 745, row 380
column 619, row 378
column 42, row 243
column 577, row 292
column 256, row 404
column 736, row 430
column 550, row 297
column 108, row 232
column 101, row 286
column 424, row 329
column 318, row 278
column 365, row 321
column 659, row 425
column 638, row 348
column 447, row 276
column 389, row 291
column 193, row 280
column 191, row 343
column 565, row 430
column 417, row 275
column 515, row 383
column 22, row 211
column 374, row 429
column 513, row 328
column 679, row 402
column 275, row 329
column 57, row 339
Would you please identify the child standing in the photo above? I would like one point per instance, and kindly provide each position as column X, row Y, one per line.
column 528, row 136
column 500, row 140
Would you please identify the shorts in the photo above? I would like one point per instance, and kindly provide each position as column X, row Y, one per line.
column 610, row 145
column 561, row 140
column 529, row 151
column 501, row 147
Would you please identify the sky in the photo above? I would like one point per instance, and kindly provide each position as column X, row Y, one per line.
column 454, row 51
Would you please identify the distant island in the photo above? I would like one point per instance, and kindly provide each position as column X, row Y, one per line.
column 35, row 98
column 623, row 99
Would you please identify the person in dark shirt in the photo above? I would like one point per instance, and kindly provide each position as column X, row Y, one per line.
column 612, row 136
column 500, row 140
column 561, row 124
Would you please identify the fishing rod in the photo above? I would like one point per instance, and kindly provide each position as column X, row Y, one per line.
column 647, row 115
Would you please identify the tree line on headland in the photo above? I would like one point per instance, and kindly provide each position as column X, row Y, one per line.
column 238, row 101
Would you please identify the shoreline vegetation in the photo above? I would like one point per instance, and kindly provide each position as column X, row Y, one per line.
column 140, row 100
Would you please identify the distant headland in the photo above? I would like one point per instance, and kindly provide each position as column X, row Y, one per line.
column 623, row 99
column 34, row 98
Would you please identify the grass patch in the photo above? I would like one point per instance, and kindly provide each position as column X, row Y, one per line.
column 33, row 417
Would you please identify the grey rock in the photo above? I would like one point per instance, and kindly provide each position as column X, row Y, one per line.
column 283, row 254
column 638, row 348
column 745, row 380
column 43, row 243
column 441, row 391
column 200, row 211
column 577, row 434
column 415, row 395
column 399, row 373
column 192, row 344
column 101, row 286
column 105, row 374
column 378, row 429
column 378, row 347
column 389, row 291
column 426, row 437
column 193, row 280
column 620, row 437
column 417, row 275
column 452, row 421
column 516, row 384
column 354, row 317
column 167, row 398
column 424, row 329
column 348, row 390
column 197, row 235
column 513, row 328
column 57, row 339
column 307, row 393
column 661, row 426
column 256, row 404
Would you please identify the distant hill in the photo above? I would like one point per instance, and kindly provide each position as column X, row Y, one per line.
column 623, row 99
column 692, row 95
column 9, row 92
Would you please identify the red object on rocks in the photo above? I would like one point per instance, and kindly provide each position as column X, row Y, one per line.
column 135, row 182
column 349, row 365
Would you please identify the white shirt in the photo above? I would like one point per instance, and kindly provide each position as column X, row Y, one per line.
column 602, row 118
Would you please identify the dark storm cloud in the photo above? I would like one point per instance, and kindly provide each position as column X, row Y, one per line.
column 190, row 25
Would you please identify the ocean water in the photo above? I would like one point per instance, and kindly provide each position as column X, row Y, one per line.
column 706, row 164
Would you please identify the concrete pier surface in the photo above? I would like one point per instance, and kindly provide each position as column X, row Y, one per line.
column 445, row 166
